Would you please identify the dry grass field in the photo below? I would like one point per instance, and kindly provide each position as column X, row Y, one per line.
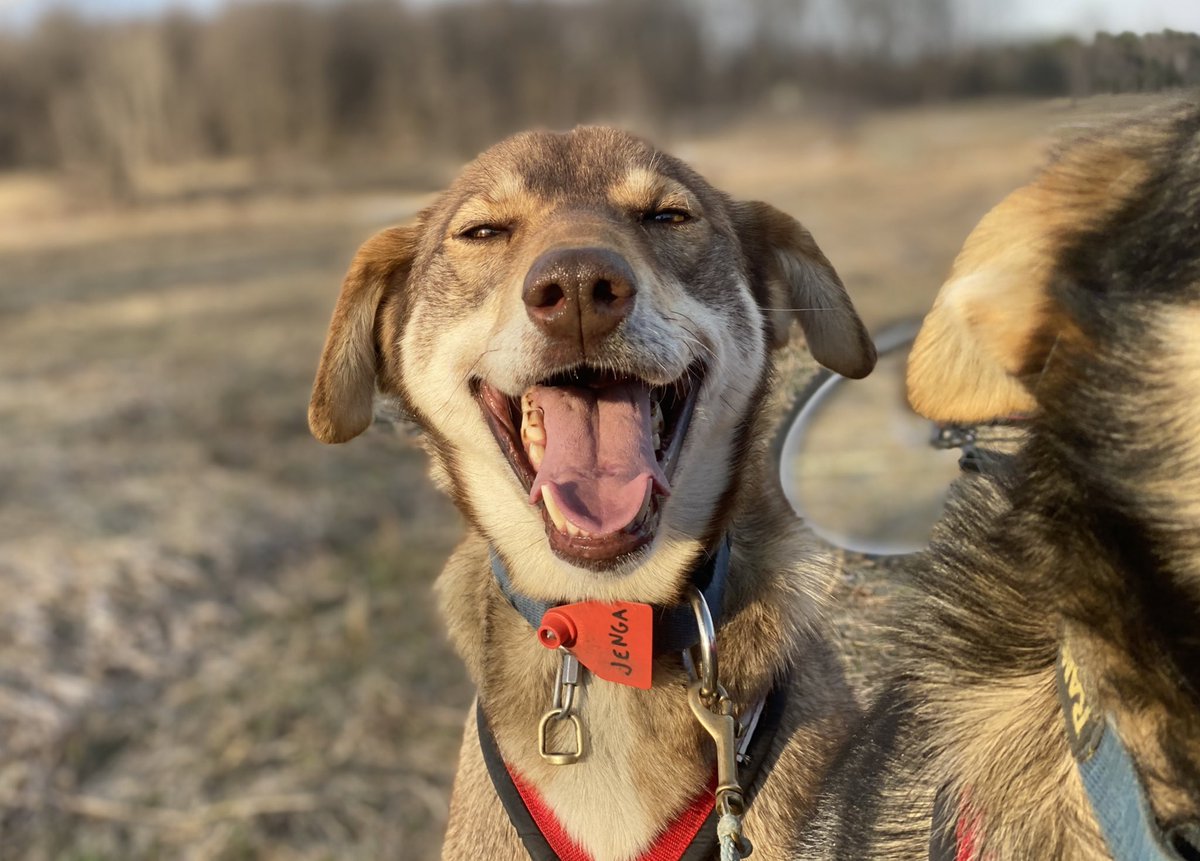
column 217, row 637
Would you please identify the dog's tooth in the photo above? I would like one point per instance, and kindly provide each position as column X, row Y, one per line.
column 533, row 418
column 656, row 416
column 657, row 442
column 556, row 516
column 536, row 453
column 645, row 503
column 573, row 530
column 534, row 434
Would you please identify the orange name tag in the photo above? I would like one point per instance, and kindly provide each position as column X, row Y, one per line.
column 614, row 641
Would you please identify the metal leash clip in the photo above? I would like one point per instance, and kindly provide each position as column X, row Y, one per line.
column 562, row 708
column 714, row 711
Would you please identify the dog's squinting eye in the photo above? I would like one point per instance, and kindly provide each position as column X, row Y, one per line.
column 482, row 231
column 667, row 216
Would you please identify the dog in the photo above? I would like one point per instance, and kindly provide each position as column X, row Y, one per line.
column 582, row 326
column 1046, row 702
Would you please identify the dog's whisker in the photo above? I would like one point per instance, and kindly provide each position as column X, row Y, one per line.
column 846, row 311
column 464, row 381
column 1046, row 364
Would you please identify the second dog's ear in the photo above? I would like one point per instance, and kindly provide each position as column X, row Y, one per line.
column 343, row 392
column 992, row 324
column 793, row 280
column 982, row 335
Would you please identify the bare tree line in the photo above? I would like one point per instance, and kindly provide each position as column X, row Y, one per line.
column 331, row 80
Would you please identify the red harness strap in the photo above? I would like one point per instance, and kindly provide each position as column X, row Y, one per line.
column 669, row 846
column 964, row 836
column 968, row 827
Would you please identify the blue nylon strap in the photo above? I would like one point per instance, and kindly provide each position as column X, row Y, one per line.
column 674, row 627
column 1120, row 804
column 1118, row 800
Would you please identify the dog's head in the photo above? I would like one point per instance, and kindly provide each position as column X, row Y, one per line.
column 1100, row 241
column 1076, row 301
column 581, row 325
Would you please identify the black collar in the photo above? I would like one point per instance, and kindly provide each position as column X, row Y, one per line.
column 674, row 627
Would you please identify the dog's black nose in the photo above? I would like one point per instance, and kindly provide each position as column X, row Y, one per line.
column 579, row 294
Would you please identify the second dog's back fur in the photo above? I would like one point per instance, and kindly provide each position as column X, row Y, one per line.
column 1077, row 302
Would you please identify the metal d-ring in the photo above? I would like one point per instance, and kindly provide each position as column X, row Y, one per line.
column 705, row 665
column 566, row 757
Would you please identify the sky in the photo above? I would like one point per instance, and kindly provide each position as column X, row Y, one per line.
column 998, row 17
column 1084, row 17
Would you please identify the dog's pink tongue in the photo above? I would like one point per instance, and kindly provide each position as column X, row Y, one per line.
column 599, row 454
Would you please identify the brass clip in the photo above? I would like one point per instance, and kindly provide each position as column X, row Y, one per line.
column 720, row 723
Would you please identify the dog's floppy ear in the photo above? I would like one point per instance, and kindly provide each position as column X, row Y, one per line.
column 343, row 392
column 994, row 324
column 982, row 335
column 793, row 279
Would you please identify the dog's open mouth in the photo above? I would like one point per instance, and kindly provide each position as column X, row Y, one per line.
column 596, row 452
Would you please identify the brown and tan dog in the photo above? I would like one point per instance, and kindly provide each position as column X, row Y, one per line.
column 1047, row 703
column 582, row 327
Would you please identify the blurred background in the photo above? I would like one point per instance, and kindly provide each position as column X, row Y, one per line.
column 217, row 638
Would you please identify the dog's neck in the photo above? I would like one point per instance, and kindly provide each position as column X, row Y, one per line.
column 1024, row 563
column 646, row 753
column 1116, row 573
column 675, row 627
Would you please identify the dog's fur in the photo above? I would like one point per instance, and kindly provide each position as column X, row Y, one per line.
column 429, row 312
column 1076, row 301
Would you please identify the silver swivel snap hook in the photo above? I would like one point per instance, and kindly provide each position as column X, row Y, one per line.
column 713, row 709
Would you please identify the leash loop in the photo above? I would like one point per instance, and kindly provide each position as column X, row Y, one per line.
column 734, row 845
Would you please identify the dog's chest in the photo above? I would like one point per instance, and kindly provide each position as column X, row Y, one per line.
column 642, row 768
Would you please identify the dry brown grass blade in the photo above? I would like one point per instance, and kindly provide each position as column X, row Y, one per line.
column 186, row 823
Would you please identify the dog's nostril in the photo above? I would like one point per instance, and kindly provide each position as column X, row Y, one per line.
column 546, row 296
column 602, row 291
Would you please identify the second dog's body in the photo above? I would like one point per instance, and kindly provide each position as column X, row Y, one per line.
column 1048, row 679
